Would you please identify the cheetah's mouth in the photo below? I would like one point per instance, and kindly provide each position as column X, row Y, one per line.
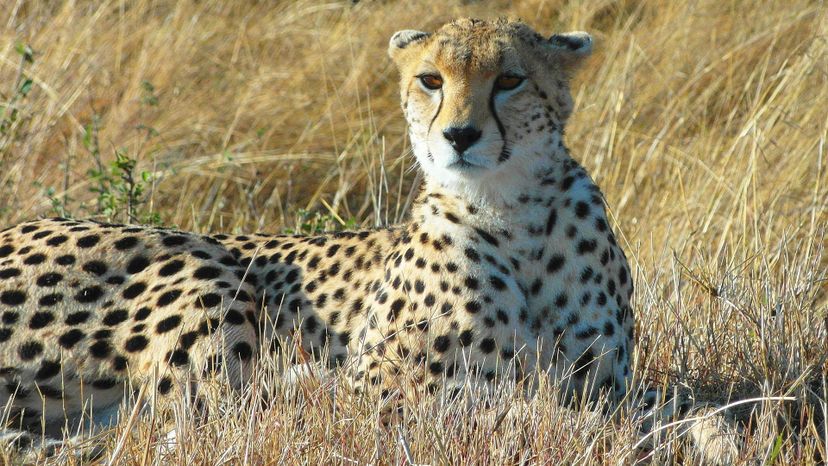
column 463, row 164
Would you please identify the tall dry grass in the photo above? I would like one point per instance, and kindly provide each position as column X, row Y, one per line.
column 704, row 122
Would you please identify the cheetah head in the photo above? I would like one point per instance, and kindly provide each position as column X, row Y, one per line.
column 484, row 99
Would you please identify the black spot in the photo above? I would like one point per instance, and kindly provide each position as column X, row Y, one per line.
column 502, row 317
column 234, row 317
column 56, row 240
column 609, row 329
column 132, row 291
column 100, row 349
column 507, row 353
column 119, row 363
column 556, row 262
column 49, row 279
column 115, row 280
column 115, row 317
column 165, row 385
column 435, row 367
column 396, row 307
column 497, row 283
column 5, row 334
column 171, row 268
column 174, row 240
column 201, row 254
column 561, row 300
column 442, row 343
column 588, row 332
column 622, row 275
column 76, row 318
column 50, row 392
column 66, row 259
column 41, row 319
column 47, row 370
column 487, row 345
column 551, row 221
column 6, row 250
column 207, row 273
column 487, row 237
column 126, row 243
column 472, row 255
column 136, row 343
column 208, row 300
column 102, row 334
column 473, row 307
column 168, row 298
column 583, row 363
column 35, row 259
column 13, row 298
column 311, row 324
column 95, row 267
column 104, row 384
column 581, row 209
column 70, row 338
column 88, row 241
column 188, row 339
column 243, row 350
column 137, row 264
column 178, row 358
column 586, row 246
column 89, row 294
column 29, row 350
column 9, row 273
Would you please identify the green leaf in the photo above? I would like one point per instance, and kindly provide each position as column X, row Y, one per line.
column 25, row 51
column 777, row 448
column 25, row 87
column 87, row 136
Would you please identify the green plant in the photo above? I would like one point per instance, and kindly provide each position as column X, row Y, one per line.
column 121, row 190
column 10, row 114
column 314, row 222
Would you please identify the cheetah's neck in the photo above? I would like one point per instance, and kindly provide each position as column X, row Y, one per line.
column 500, row 206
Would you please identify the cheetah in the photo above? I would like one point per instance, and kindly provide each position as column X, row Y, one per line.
column 507, row 267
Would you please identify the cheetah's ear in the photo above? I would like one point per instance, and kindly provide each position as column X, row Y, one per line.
column 571, row 48
column 402, row 39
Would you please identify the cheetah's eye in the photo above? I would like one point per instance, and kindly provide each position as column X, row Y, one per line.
column 431, row 81
column 508, row 82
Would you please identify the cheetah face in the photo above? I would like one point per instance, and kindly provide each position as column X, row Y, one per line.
column 482, row 97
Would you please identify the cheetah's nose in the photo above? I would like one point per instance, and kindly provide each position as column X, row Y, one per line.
column 461, row 138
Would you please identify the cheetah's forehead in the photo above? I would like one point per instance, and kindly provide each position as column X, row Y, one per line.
column 475, row 46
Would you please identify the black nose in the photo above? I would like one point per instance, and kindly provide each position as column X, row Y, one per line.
column 461, row 138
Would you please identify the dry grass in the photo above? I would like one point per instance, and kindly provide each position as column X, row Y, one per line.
column 704, row 122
